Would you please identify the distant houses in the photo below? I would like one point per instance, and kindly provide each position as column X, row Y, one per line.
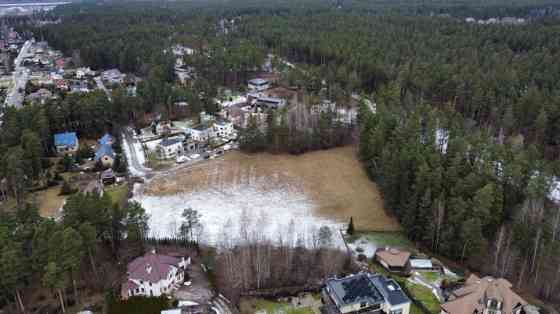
column 66, row 143
column 113, row 76
column 154, row 274
column 402, row 262
column 364, row 293
column 258, row 84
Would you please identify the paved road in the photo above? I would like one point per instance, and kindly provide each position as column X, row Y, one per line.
column 20, row 78
column 102, row 87
column 135, row 167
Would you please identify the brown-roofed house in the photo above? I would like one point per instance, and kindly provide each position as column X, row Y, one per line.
column 154, row 274
column 486, row 295
column 393, row 259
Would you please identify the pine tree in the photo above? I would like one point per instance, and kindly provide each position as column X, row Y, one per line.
column 350, row 230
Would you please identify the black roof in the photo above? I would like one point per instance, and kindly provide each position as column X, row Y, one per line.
column 366, row 287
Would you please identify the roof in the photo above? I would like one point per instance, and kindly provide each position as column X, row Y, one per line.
column 390, row 290
column 476, row 291
column 107, row 139
column 104, row 150
column 151, row 267
column 258, row 81
column 65, row 139
column 354, row 289
column 170, row 141
column 270, row 99
column 421, row 263
column 393, row 257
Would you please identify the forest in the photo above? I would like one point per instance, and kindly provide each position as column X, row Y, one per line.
column 464, row 143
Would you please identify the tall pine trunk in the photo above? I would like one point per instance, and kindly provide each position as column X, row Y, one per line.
column 61, row 300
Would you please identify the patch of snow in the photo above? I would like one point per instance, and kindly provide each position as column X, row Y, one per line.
column 368, row 247
column 554, row 194
column 235, row 101
column 139, row 152
column 131, row 168
column 186, row 303
column 151, row 145
column 442, row 139
column 267, row 214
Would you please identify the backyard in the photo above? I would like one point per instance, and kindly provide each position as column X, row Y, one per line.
column 303, row 304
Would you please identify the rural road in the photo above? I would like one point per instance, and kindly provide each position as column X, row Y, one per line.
column 135, row 167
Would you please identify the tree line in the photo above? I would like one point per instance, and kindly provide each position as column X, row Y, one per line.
column 464, row 193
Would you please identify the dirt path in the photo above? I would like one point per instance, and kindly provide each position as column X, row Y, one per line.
column 334, row 179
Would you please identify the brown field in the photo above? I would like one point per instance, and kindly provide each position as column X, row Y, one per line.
column 334, row 179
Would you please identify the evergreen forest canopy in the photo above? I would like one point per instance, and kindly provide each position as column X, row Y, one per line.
column 491, row 90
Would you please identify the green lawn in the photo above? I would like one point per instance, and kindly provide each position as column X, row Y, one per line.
column 430, row 276
column 252, row 305
column 394, row 239
column 424, row 296
column 118, row 193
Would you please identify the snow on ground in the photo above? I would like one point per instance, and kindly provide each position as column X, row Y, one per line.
column 554, row 194
column 151, row 145
column 235, row 101
column 139, row 153
column 368, row 247
column 269, row 214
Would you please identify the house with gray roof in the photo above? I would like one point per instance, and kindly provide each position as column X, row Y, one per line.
column 364, row 293
column 154, row 275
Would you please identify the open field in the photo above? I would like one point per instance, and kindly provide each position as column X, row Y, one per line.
column 326, row 186
column 307, row 304
column 49, row 201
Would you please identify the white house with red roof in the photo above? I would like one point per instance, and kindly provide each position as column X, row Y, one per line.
column 154, row 274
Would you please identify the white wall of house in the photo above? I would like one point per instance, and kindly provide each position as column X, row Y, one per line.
column 200, row 135
column 258, row 88
column 397, row 309
column 224, row 130
column 164, row 286
column 64, row 149
column 169, row 151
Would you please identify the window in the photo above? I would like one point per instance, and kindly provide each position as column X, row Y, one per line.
column 399, row 311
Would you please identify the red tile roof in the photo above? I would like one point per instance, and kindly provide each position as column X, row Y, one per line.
column 152, row 267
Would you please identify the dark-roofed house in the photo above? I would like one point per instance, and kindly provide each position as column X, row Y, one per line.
column 66, row 142
column 169, row 148
column 154, row 274
column 364, row 293
column 484, row 296
column 258, row 84
column 393, row 259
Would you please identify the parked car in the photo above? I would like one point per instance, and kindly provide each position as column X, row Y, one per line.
column 182, row 158
column 194, row 156
column 227, row 147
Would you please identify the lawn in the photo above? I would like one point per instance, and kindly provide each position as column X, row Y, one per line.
column 118, row 193
column 431, row 276
column 262, row 306
column 424, row 296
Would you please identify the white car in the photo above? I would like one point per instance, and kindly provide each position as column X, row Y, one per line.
column 195, row 156
column 181, row 159
column 227, row 147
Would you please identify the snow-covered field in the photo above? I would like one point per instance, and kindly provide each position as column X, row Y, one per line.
column 273, row 215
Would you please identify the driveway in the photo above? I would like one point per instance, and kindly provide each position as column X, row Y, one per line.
column 200, row 290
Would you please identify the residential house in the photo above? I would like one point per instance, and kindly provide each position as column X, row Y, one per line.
column 269, row 103
column 105, row 155
column 169, row 148
column 364, row 293
column 108, row 177
column 486, row 295
column 223, row 129
column 392, row 259
column 66, row 142
column 258, row 84
column 154, row 274
column 201, row 133
column 113, row 76
column 61, row 84
column 83, row 72
column 79, row 87
column 39, row 97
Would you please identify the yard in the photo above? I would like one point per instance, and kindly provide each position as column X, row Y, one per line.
column 117, row 193
column 366, row 243
column 49, row 201
column 423, row 295
column 304, row 304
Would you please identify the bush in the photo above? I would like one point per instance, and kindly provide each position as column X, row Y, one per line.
column 362, row 258
column 67, row 189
